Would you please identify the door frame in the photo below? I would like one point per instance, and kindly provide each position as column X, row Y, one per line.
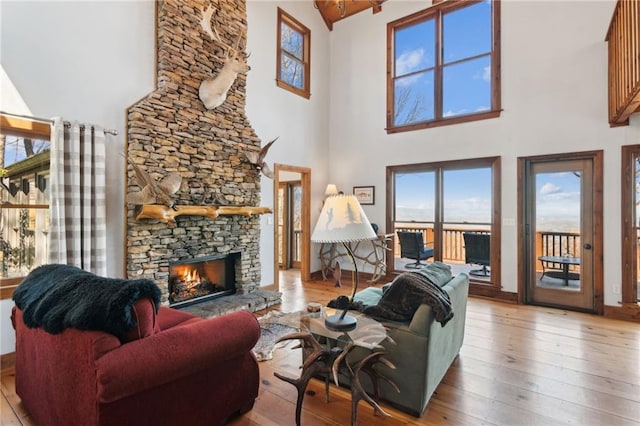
column 493, row 288
column 597, row 217
column 305, row 237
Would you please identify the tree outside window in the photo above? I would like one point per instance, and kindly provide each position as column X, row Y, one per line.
column 24, row 198
column 444, row 63
column 293, row 63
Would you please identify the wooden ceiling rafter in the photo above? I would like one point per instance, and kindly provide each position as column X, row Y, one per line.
column 332, row 11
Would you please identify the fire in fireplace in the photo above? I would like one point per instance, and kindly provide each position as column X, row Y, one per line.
column 194, row 280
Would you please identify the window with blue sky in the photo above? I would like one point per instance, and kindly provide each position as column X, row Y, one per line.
column 293, row 60
column 442, row 65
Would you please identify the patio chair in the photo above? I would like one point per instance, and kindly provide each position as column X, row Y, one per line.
column 477, row 248
column 412, row 247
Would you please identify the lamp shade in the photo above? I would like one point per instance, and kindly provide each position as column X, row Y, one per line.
column 342, row 220
column 332, row 189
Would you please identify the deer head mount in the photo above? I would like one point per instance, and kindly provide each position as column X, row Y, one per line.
column 213, row 91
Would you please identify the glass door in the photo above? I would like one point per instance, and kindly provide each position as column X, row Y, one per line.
column 295, row 221
column 466, row 219
column 289, row 224
column 560, row 233
column 414, row 209
column 454, row 206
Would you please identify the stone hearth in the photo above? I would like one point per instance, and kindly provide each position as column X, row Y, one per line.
column 170, row 130
column 253, row 302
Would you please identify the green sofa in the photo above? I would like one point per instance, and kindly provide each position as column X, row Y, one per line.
column 423, row 349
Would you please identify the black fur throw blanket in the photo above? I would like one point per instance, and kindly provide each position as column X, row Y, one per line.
column 408, row 291
column 55, row 297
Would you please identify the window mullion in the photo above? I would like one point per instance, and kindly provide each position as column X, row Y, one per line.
column 438, row 50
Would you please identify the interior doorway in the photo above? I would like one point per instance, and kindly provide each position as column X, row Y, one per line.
column 292, row 206
column 289, row 221
column 562, row 222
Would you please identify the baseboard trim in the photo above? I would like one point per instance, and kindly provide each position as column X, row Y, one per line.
column 626, row 312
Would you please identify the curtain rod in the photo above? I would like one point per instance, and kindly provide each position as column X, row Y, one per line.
column 48, row 120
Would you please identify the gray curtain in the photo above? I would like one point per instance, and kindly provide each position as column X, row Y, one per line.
column 77, row 196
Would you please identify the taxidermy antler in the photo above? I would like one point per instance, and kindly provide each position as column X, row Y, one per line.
column 257, row 159
column 213, row 91
column 155, row 192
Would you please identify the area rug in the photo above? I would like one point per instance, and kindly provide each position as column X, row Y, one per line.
column 272, row 327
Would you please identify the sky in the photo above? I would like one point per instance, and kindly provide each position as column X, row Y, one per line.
column 467, row 198
column 15, row 152
column 558, row 201
column 466, row 85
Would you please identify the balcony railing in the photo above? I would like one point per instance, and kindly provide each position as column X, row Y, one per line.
column 624, row 62
column 547, row 243
column 557, row 244
column 453, row 244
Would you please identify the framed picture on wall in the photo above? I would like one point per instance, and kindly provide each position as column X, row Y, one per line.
column 365, row 194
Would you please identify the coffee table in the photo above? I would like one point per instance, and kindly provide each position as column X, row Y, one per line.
column 325, row 352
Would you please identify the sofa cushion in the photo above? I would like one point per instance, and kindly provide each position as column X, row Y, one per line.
column 437, row 272
column 370, row 296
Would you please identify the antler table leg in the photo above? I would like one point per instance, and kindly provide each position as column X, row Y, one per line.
column 316, row 363
column 357, row 390
column 301, row 385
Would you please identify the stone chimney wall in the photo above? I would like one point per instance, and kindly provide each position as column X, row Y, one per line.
column 170, row 130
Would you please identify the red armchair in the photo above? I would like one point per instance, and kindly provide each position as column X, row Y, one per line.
column 172, row 369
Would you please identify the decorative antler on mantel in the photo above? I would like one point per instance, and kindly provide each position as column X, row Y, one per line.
column 213, row 91
column 168, row 215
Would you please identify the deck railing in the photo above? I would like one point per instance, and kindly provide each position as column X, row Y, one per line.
column 547, row 243
column 453, row 247
column 624, row 62
column 557, row 244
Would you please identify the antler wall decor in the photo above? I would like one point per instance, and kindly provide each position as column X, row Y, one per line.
column 213, row 91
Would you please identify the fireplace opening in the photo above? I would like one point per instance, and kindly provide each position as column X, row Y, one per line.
column 195, row 280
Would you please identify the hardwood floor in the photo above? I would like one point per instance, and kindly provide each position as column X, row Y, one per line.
column 519, row 365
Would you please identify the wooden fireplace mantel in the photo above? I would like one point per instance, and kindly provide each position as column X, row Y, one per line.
column 168, row 215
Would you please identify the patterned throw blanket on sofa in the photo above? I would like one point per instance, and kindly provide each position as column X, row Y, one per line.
column 408, row 291
column 55, row 297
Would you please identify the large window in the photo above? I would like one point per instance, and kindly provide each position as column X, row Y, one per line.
column 443, row 65
column 24, row 199
column 631, row 225
column 294, row 55
column 449, row 203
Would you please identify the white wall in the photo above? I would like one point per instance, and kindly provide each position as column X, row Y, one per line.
column 301, row 124
column 554, row 96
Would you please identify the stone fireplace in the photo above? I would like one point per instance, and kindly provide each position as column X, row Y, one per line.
column 171, row 131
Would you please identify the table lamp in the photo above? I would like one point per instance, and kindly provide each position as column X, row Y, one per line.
column 342, row 220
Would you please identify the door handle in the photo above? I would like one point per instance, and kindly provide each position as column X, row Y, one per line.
column 586, row 246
